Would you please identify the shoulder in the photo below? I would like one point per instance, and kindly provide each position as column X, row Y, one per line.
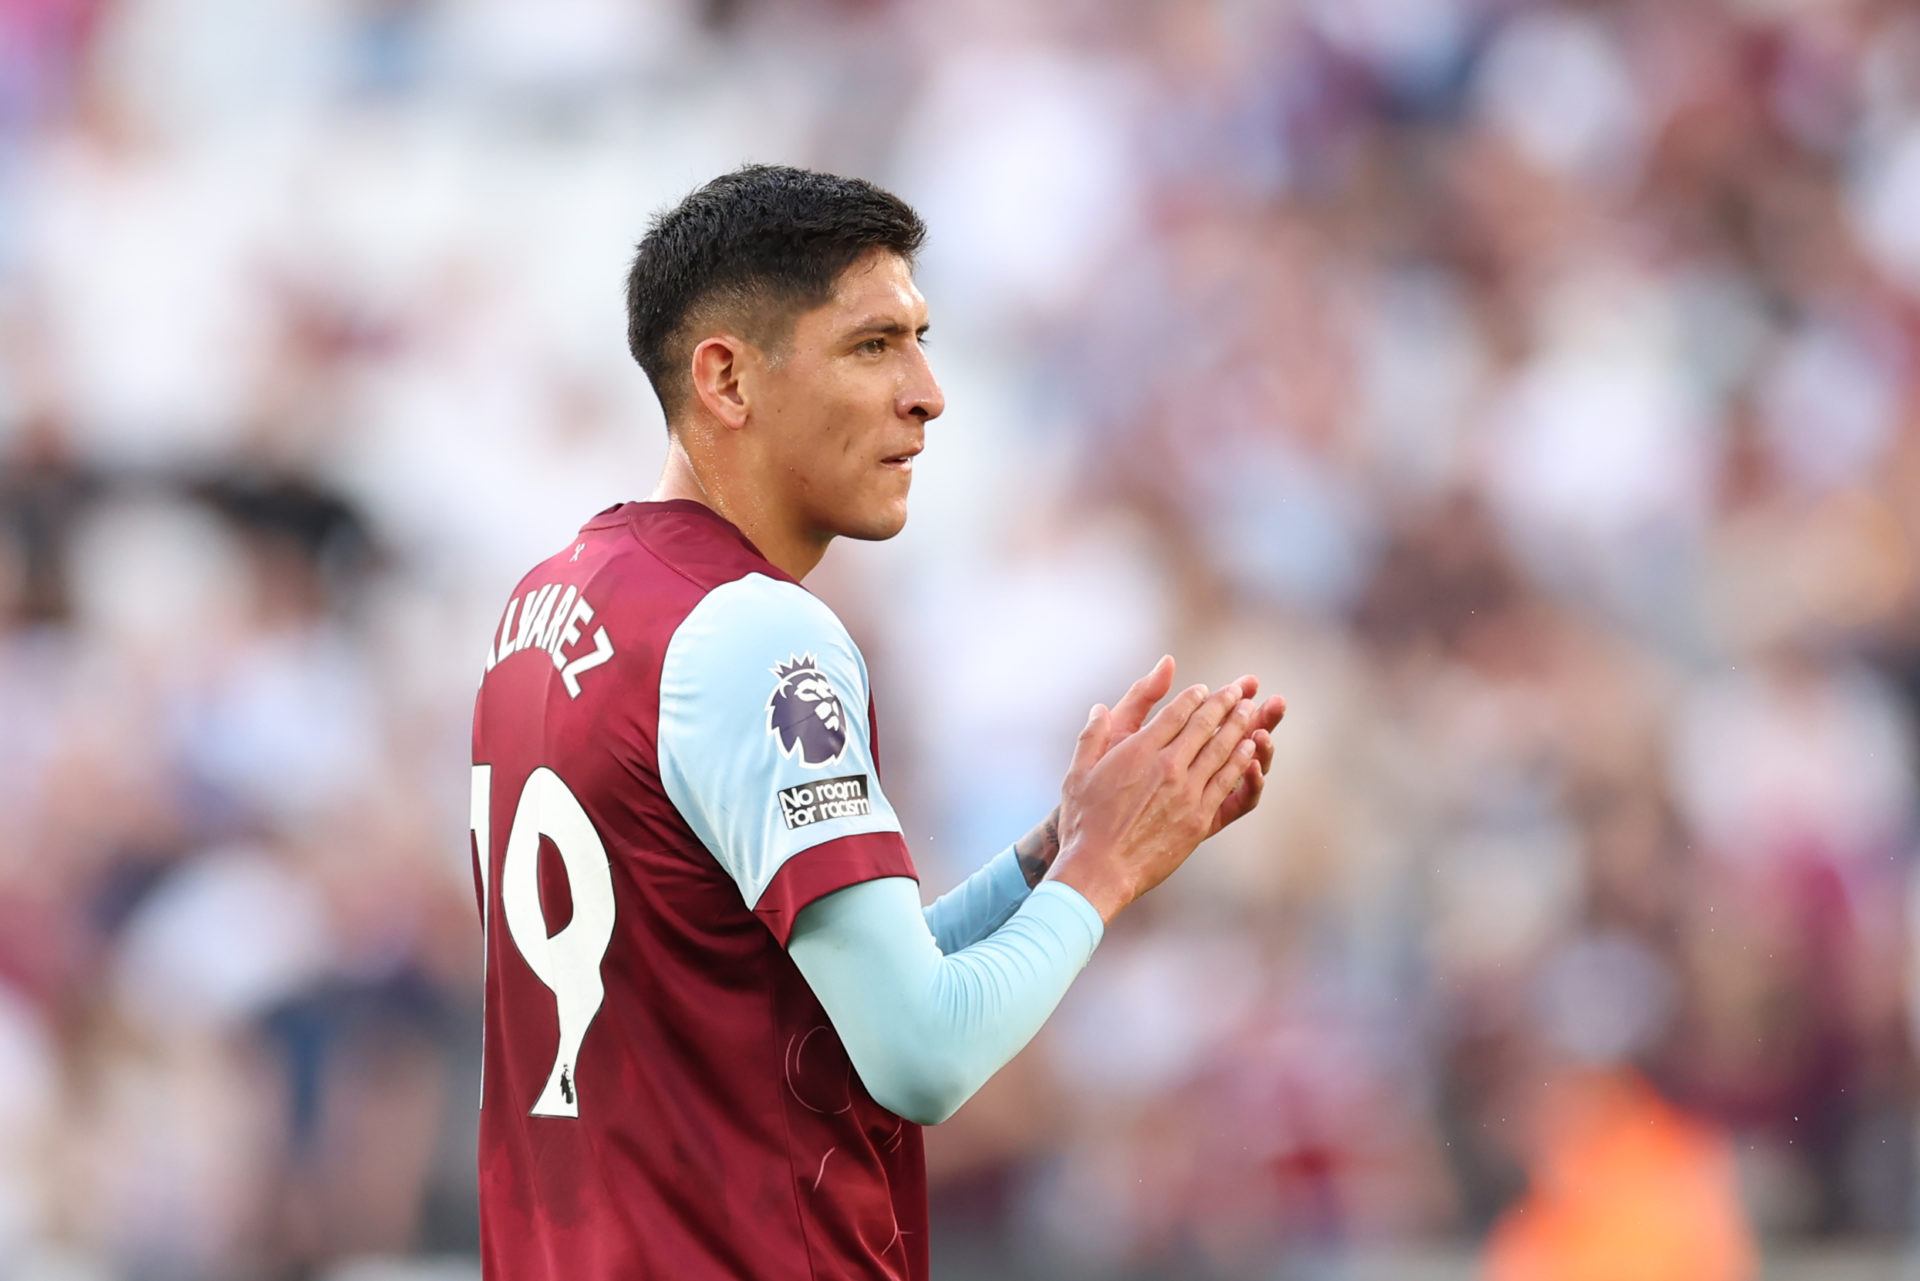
column 753, row 609
column 760, row 644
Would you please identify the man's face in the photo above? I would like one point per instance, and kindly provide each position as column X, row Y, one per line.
column 845, row 401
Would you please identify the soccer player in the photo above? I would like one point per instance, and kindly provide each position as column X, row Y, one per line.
column 716, row 1012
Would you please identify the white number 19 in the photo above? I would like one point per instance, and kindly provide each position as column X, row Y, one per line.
column 567, row 962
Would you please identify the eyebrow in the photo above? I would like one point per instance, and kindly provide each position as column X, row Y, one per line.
column 878, row 326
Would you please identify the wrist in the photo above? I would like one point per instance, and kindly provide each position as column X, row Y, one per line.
column 1102, row 887
column 1037, row 850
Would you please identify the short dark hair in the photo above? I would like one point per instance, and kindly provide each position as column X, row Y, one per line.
column 765, row 241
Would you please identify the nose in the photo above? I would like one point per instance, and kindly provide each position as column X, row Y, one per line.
column 921, row 397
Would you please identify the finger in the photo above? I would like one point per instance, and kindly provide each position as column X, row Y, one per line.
column 1092, row 742
column 1213, row 753
column 1234, row 806
column 1241, row 800
column 1263, row 749
column 1130, row 713
column 1171, row 719
column 1228, row 776
column 1201, row 725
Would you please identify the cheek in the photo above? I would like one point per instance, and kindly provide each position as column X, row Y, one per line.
column 831, row 437
column 825, row 435
column 812, row 450
column 855, row 413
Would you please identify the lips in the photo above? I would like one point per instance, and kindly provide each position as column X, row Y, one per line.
column 904, row 459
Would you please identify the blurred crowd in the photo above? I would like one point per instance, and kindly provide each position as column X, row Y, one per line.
column 1530, row 392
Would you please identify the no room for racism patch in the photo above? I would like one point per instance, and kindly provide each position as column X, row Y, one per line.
column 805, row 803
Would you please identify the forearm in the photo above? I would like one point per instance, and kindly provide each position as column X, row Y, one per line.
column 986, row 900
column 979, row 905
column 926, row 1030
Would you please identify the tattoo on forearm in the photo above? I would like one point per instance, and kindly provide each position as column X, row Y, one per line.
column 1038, row 848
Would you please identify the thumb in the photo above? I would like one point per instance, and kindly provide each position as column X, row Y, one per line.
column 1093, row 741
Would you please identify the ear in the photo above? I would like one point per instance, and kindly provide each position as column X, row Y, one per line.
column 716, row 370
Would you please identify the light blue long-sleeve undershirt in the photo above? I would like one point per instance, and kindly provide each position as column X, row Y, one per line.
column 980, row 904
column 930, row 1004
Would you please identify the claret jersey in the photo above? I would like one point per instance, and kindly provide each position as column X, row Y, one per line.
column 674, row 753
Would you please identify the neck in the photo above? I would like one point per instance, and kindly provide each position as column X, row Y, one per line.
column 795, row 551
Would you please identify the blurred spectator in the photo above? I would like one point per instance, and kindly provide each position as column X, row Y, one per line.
column 1623, row 1185
column 1530, row 392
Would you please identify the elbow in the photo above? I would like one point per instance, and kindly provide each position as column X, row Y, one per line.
column 925, row 1109
column 925, row 1095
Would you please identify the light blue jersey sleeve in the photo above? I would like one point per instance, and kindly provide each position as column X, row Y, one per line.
column 980, row 904
column 925, row 1030
column 764, row 745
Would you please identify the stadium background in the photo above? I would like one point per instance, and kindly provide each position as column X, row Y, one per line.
column 1530, row 391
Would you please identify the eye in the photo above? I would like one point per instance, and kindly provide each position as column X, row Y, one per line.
column 874, row 346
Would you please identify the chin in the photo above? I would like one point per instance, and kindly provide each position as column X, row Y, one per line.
column 876, row 526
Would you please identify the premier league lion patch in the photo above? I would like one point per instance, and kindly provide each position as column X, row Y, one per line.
column 805, row 713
